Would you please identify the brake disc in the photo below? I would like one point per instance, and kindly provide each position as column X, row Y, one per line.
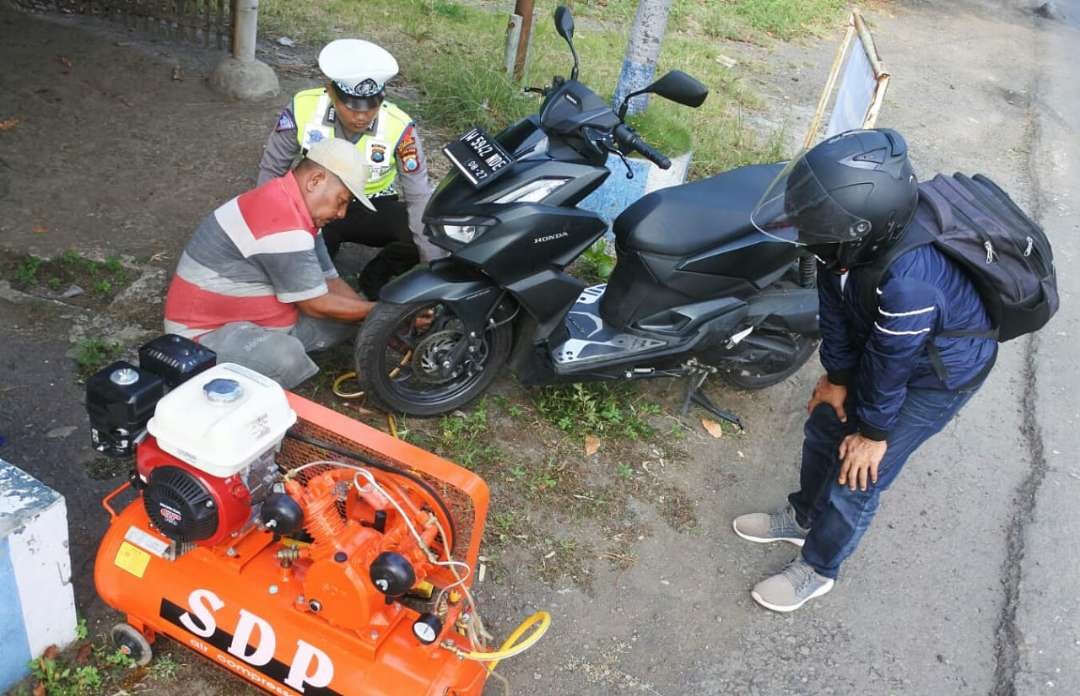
column 433, row 352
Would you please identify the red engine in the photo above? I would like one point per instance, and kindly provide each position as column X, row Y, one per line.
column 189, row 505
column 208, row 462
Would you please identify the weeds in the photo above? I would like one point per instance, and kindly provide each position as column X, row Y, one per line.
column 103, row 278
column 463, row 438
column 92, row 354
column 60, row 679
column 26, row 272
column 604, row 409
column 164, row 667
column 596, row 264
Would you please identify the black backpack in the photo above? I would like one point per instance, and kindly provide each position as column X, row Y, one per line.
column 1004, row 252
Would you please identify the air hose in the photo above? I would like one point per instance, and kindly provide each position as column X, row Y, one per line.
column 339, row 392
column 510, row 647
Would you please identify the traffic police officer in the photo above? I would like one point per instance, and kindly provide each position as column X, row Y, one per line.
column 352, row 106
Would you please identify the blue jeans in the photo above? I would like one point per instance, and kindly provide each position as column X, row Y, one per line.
column 836, row 515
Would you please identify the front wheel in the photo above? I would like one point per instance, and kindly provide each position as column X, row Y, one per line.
column 405, row 358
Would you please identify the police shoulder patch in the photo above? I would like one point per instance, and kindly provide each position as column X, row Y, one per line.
column 285, row 121
column 407, row 151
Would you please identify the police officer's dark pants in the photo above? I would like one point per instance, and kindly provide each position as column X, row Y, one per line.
column 387, row 227
column 836, row 515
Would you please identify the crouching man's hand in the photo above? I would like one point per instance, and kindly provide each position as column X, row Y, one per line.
column 825, row 392
column 860, row 457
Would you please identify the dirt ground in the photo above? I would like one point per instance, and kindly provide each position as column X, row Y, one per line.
column 112, row 156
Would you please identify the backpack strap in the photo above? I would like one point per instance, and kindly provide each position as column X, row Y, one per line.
column 869, row 275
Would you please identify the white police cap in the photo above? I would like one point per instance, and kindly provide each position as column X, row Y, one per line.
column 359, row 69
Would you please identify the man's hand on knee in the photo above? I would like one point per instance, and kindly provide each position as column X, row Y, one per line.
column 825, row 392
column 860, row 457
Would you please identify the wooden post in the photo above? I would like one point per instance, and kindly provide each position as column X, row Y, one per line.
column 524, row 9
column 834, row 73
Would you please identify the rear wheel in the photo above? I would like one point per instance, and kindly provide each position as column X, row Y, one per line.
column 764, row 359
column 404, row 358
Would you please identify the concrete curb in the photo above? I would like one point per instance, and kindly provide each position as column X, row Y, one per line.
column 37, row 605
column 618, row 192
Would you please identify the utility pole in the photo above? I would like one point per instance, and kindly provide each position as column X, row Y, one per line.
column 524, row 10
column 642, row 51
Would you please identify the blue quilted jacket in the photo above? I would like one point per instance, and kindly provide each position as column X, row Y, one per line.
column 883, row 353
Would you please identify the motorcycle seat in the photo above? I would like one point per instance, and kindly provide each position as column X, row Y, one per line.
column 681, row 220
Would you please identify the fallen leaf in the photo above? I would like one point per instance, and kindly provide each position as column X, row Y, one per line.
column 712, row 427
column 8, row 124
column 51, row 652
column 67, row 64
column 85, row 651
column 39, row 229
column 592, row 443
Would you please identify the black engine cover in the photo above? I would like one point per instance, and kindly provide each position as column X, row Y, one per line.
column 179, row 505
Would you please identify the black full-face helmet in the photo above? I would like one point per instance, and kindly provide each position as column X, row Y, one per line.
column 846, row 199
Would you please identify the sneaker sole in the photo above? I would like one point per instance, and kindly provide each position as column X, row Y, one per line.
column 784, row 610
column 768, row 540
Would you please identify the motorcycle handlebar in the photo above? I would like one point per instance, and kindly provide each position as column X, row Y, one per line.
column 631, row 140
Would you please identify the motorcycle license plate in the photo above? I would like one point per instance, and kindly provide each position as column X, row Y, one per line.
column 479, row 157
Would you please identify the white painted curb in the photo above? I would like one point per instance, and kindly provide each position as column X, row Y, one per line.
column 37, row 605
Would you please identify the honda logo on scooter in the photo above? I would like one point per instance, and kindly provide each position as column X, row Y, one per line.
column 550, row 237
column 310, row 670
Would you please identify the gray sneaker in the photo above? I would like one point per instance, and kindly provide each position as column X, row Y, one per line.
column 765, row 528
column 791, row 588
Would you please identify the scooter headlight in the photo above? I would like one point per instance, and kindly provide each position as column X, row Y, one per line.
column 533, row 192
column 460, row 230
column 463, row 233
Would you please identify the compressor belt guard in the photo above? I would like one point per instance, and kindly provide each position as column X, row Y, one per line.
column 301, row 550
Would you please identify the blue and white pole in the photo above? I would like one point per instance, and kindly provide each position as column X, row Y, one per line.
column 642, row 51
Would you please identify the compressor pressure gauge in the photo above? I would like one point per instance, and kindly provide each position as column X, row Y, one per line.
column 427, row 628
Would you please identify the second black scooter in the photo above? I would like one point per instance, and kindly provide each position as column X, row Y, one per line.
column 696, row 289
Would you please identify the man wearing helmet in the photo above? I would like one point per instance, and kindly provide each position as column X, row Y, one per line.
column 892, row 378
column 352, row 106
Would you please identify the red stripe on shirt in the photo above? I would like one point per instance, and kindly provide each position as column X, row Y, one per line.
column 264, row 213
column 196, row 308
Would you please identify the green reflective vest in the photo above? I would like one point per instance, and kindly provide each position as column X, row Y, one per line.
column 378, row 149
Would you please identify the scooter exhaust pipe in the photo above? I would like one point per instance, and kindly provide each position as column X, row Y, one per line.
column 793, row 309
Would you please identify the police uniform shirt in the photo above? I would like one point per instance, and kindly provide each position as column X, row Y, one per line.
column 412, row 185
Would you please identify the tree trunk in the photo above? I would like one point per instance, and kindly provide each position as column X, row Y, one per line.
column 642, row 51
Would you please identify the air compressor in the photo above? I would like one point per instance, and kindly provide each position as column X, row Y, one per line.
column 302, row 550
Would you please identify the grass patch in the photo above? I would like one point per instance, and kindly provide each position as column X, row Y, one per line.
column 464, row 438
column 88, row 668
column 754, row 21
column 99, row 280
column 607, row 409
column 452, row 52
column 91, row 354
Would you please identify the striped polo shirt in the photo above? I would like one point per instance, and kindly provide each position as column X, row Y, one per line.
column 250, row 260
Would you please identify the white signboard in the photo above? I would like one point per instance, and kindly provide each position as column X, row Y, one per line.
column 854, row 94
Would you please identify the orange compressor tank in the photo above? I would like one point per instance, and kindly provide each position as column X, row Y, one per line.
column 241, row 602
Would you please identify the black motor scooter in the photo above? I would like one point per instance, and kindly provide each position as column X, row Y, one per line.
column 696, row 290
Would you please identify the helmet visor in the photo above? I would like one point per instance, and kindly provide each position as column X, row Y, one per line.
column 797, row 209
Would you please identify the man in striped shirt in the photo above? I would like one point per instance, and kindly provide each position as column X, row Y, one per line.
column 256, row 285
